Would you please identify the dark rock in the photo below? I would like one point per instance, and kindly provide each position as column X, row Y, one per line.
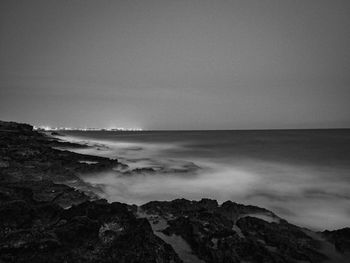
column 146, row 170
column 4, row 164
column 27, row 155
column 289, row 241
column 227, row 233
column 89, row 232
column 340, row 238
column 35, row 227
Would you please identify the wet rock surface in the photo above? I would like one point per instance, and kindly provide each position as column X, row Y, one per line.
column 233, row 232
column 44, row 219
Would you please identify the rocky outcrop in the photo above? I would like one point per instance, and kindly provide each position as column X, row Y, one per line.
column 42, row 191
column 93, row 231
column 234, row 232
column 42, row 221
column 26, row 155
column 340, row 238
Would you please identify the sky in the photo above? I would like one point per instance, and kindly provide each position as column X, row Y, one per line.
column 184, row 64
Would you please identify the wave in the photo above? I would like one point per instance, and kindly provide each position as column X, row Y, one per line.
column 311, row 196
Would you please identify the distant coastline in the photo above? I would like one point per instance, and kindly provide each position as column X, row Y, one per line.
column 48, row 128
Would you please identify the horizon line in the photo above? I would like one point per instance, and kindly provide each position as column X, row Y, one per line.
column 165, row 130
column 189, row 130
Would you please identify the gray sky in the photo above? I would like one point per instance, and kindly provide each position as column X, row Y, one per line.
column 176, row 64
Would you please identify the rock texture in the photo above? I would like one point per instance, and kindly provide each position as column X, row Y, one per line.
column 233, row 232
column 93, row 231
column 340, row 238
column 43, row 221
column 26, row 155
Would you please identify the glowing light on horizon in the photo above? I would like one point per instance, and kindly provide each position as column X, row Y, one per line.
column 48, row 128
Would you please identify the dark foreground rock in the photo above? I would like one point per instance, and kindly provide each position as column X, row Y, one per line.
column 93, row 231
column 44, row 219
column 340, row 238
column 233, row 232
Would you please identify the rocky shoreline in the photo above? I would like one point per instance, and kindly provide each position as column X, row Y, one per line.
column 43, row 218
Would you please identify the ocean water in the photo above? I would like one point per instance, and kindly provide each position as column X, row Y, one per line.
column 301, row 175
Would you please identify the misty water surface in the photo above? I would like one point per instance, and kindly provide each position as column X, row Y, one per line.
column 303, row 176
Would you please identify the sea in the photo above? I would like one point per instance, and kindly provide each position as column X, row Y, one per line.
column 301, row 175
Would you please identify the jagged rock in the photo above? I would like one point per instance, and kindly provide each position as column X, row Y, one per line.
column 4, row 164
column 146, row 170
column 27, row 155
column 42, row 191
column 34, row 226
column 340, row 238
column 289, row 242
column 234, row 232
column 110, row 231
column 89, row 232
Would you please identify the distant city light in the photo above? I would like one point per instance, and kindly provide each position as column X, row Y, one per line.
column 48, row 128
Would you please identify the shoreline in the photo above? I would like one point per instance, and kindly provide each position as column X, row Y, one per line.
column 46, row 219
column 292, row 190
